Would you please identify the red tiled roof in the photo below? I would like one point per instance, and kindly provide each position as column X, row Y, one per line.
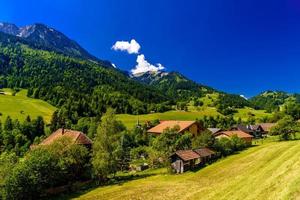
column 187, row 155
column 77, row 137
column 204, row 152
column 239, row 134
column 183, row 125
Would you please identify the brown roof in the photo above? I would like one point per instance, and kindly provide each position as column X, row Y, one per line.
column 204, row 152
column 239, row 134
column 183, row 125
column 187, row 155
column 267, row 126
column 77, row 137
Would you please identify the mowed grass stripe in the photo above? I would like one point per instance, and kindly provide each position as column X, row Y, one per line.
column 269, row 171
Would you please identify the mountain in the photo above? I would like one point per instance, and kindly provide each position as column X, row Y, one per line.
column 44, row 37
column 173, row 84
column 79, row 87
column 273, row 100
column 59, row 71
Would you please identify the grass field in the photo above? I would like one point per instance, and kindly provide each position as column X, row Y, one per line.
column 131, row 120
column 19, row 106
column 268, row 171
column 193, row 113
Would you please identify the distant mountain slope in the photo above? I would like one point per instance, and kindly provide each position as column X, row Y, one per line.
column 181, row 88
column 44, row 37
column 173, row 84
column 274, row 100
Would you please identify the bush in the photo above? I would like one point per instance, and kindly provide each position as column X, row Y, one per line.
column 205, row 139
column 28, row 180
column 46, row 167
column 224, row 146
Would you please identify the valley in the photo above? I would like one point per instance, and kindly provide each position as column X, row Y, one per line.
column 267, row 171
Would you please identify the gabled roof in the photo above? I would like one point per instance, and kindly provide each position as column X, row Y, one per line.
column 77, row 137
column 187, row 155
column 214, row 130
column 239, row 134
column 242, row 128
column 254, row 127
column 204, row 152
column 267, row 126
column 183, row 125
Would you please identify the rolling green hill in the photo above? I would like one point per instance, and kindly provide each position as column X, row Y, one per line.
column 268, row 171
column 193, row 113
column 19, row 106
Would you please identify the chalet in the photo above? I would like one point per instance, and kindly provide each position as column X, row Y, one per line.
column 254, row 130
column 245, row 129
column 184, row 160
column 189, row 126
column 206, row 155
column 76, row 137
column 228, row 134
column 266, row 127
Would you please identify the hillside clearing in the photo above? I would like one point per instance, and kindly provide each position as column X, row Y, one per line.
column 20, row 106
column 268, row 171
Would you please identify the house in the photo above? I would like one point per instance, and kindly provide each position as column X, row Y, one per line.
column 184, row 160
column 240, row 134
column 206, row 155
column 266, row 127
column 76, row 137
column 189, row 126
column 214, row 130
column 254, row 130
column 245, row 129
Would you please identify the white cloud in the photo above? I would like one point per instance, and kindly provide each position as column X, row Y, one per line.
column 243, row 96
column 144, row 66
column 131, row 47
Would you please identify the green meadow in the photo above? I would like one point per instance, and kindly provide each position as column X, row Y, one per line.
column 267, row 171
column 193, row 113
column 20, row 106
column 131, row 120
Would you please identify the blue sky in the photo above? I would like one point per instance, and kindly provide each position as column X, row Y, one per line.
column 242, row 47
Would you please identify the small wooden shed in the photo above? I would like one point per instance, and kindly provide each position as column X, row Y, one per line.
column 206, row 155
column 184, row 160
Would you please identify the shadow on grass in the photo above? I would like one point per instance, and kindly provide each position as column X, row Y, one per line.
column 86, row 188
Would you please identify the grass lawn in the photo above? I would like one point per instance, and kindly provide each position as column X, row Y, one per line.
column 268, row 171
column 19, row 106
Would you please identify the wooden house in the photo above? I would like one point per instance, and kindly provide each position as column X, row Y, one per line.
column 76, row 137
column 183, row 126
column 266, row 127
column 184, row 160
column 240, row 134
column 243, row 128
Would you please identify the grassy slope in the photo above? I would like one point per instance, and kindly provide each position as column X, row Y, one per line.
column 193, row 113
column 269, row 171
column 13, row 105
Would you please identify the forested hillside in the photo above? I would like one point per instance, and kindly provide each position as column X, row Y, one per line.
column 79, row 87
